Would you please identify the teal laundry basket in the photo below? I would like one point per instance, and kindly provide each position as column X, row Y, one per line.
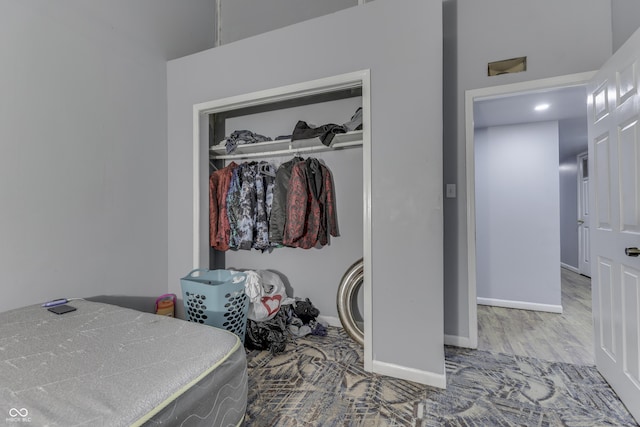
column 216, row 298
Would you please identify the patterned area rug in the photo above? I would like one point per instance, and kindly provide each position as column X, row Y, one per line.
column 320, row 381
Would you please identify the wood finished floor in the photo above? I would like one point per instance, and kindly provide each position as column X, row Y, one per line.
column 565, row 337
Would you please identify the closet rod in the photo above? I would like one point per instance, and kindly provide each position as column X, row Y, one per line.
column 291, row 151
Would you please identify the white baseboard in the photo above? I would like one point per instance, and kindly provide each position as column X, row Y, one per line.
column 411, row 374
column 331, row 320
column 457, row 341
column 521, row 305
column 397, row 371
column 569, row 267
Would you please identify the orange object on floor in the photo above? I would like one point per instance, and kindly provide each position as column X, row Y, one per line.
column 166, row 305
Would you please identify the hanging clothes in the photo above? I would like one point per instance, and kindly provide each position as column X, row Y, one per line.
column 234, row 210
column 255, row 206
column 265, row 177
column 248, row 205
column 278, row 215
column 219, row 228
column 269, row 173
column 311, row 207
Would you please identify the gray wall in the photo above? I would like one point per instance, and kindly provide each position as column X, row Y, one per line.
column 625, row 16
column 518, row 214
column 83, row 135
column 569, row 212
column 406, row 158
column 558, row 43
column 240, row 19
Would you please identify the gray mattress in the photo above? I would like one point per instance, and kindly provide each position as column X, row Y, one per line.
column 104, row 365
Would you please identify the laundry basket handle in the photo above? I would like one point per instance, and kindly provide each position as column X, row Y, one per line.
column 201, row 270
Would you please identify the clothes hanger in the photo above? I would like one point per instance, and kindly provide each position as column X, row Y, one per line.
column 297, row 155
column 267, row 168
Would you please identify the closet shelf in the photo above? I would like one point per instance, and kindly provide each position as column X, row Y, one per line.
column 284, row 147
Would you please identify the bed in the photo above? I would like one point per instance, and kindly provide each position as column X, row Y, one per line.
column 104, row 365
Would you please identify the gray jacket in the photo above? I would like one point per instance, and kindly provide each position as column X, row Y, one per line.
column 279, row 204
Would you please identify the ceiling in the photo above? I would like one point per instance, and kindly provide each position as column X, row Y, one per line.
column 566, row 105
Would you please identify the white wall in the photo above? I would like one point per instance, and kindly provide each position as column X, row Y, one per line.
column 406, row 158
column 240, row 19
column 518, row 215
column 83, row 137
column 557, row 41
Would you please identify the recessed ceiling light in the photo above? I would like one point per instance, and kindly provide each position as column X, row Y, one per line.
column 541, row 107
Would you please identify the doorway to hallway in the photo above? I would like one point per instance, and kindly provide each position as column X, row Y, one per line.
column 560, row 88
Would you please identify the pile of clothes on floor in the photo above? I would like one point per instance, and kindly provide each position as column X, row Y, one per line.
column 274, row 318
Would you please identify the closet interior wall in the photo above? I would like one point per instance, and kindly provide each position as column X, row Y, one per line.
column 308, row 273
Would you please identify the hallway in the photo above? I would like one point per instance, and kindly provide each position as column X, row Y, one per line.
column 565, row 337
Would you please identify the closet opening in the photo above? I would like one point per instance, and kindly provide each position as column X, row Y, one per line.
column 314, row 272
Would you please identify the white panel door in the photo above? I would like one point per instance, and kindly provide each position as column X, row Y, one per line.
column 614, row 164
column 584, row 250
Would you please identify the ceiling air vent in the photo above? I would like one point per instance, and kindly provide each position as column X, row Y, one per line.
column 507, row 66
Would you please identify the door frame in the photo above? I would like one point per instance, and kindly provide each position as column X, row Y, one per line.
column 581, row 196
column 570, row 80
